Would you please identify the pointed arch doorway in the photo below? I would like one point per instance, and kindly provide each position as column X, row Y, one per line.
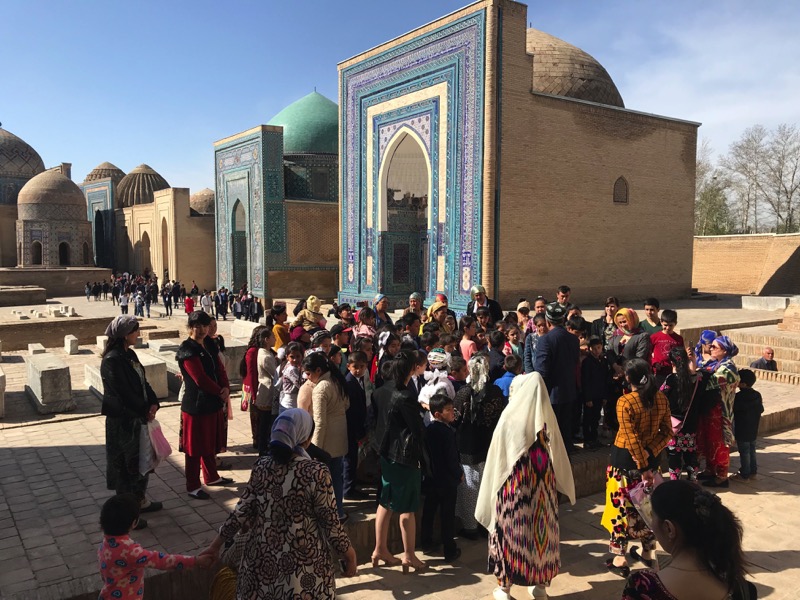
column 404, row 221
column 239, row 245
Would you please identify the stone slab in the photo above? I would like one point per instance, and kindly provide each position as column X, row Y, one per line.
column 161, row 334
column 2, row 394
column 168, row 345
column 174, row 379
column 233, row 355
column 93, row 380
column 242, row 329
column 49, row 384
column 36, row 349
column 70, row 344
column 101, row 342
column 765, row 302
column 1, row 350
column 155, row 369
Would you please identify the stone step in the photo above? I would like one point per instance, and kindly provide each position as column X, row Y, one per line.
column 49, row 384
column 781, row 353
column 789, row 366
column 776, row 340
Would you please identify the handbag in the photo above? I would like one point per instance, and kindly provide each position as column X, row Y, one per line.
column 158, row 441
column 639, row 496
column 677, row 424
column 246, row 397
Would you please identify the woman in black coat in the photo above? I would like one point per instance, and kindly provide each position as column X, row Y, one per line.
column 128, row 404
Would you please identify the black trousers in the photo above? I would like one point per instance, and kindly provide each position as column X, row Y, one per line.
column 591, row 420
column 442, row 499
column 350, row 466
column 564, row 416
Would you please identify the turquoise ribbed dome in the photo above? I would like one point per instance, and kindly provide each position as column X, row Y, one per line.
column 310, row 125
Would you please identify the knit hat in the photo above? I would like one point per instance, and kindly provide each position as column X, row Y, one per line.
column 320, row 335
column 555, row 313
column 313, row 304
column 523, row 304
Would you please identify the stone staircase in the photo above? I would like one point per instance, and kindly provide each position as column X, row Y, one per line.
column 786, row 345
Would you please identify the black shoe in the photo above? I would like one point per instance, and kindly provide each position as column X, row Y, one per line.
column 469, row 534
column 717, row 484
column 451, row 556
column 200, row 495
column 592, row 445
column 140, row 524
column 152, row 507
column 221, row 481
column 705, row 476
column 623, row 571
column 650, row 564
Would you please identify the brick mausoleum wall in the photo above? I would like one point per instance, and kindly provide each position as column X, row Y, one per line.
column 761, row 264
column 558, row 164
column 50, row 332
column 69, row 281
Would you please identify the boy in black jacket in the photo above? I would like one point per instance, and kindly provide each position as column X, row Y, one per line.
column 446, row 473
column 595, row 379
column 356, row 415
column 747, row 409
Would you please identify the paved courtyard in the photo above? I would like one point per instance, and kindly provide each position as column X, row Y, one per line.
column 52, row 484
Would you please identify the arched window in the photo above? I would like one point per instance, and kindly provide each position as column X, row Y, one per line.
column 86, row 259
column 620, row 191
column 36, row 253
column 63, row 254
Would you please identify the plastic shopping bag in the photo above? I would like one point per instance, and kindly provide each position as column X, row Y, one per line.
column 147, row 457
column 640, row 498
column 161, row 447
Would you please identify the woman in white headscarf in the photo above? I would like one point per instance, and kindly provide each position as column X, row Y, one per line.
column 526, row 466
column 289, row 508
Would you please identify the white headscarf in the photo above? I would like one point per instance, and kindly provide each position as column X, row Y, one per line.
column 291, row 428
column 528, row 412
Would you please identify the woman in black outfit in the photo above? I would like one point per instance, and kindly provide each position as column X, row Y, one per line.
column 402, row 451
column 128, row 404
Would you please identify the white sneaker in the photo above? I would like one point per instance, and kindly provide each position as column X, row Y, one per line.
column 538, row 591
column 500, row 594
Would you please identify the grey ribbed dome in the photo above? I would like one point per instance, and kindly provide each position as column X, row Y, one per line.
column 138, row 186
column 561, row 69
column 17, row 158
column 104, row 170
column 203, row 202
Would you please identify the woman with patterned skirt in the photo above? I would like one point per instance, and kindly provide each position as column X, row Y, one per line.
column 645, row 429
column 715, row 431
column 527, row 464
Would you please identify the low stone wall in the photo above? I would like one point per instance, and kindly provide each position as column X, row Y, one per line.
column 59, row 282
column 50, row 333
column 22, row 295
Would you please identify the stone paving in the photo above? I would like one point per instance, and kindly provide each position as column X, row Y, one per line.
column 52, row 485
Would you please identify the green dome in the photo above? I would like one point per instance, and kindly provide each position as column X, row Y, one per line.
column 310, row 125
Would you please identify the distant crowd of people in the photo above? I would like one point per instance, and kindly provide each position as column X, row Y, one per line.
column 472, row 419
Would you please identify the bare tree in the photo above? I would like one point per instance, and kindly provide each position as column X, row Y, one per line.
column 744, row 165
column 711, row 213
column 781, row 177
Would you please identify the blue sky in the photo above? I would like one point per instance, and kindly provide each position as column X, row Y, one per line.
column 159, row 82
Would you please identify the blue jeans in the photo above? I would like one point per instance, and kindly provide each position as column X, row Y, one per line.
column 336, row 465
column 747, row 455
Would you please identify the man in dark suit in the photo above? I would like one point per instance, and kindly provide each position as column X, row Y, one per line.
column 557, row 356
column 479, row 298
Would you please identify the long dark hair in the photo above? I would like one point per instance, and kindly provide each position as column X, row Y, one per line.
column 707, row 526
column 403, row 365
column 257, row 338
column 640, row 374
column 684, row 386
column 318, row 360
